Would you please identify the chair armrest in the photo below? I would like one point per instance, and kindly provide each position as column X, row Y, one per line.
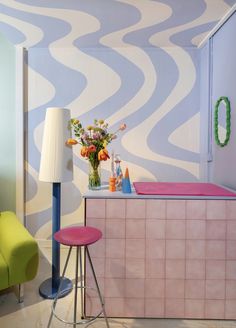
column 18, row 248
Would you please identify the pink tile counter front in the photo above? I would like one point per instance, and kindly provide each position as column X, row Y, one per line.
column 163, row 258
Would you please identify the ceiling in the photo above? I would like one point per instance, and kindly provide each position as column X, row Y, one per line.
column 109, row 23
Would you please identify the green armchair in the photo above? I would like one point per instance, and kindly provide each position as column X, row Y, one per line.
column 19, row 254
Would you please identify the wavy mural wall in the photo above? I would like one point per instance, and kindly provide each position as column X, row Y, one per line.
column 123, row 61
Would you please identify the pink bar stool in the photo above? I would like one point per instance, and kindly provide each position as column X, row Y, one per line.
column 78, row 237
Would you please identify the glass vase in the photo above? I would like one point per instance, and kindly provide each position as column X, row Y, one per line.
column 94, row 176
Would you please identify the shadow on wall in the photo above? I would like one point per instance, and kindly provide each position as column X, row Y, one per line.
column 7, row 192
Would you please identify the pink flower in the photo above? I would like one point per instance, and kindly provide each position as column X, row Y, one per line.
column 92, row 149
column 122, row 127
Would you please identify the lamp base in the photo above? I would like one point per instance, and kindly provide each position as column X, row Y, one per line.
column 46, row 290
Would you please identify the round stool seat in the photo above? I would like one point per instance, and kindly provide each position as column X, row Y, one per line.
column 78, row 236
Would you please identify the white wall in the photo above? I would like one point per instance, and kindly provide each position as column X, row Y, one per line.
column 7, row 126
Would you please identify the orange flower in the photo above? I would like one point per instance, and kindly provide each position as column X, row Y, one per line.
column 92, row 149
column 103, row 155
column 71, row 142
column 84, row 151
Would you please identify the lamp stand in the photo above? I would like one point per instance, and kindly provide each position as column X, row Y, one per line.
column 48, row 289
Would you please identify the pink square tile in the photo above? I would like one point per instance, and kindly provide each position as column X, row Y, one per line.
column 231, row 230
column 215, row 269
column 97, row 223
column 175, row 229
column 134, row 307
column 135, row 268
column 135, row 248
column 115, row 228
column 196, row 209
column 134, row 288
column 174, row 288
column 214, row 309
column 156, row 209
column 115, row 208
column 115, row 248
column 231, row 209
column 215, row 249
column 91, row 292
column 174, row 308
column 155, row 249
column 175, row 209
column 175, row 249
column 99, row 267
column 215, row 229
column 135, row 228
column 215, row 289
column 154, row 288
column 115, row 307
column 195, row 269
column 231, row 289
column 230, row 306
column 216, row 209
column 154, row 308
column 231, row 270
column 115, row 268
column 195, row 229
column 155, row 268
column 95, row 208
column 231, row 249
column 114, row 287
column 195, row 289
column 194, row 309
column 155, row 229
column 97, row 249
column 136, row 209
column 195, row 249
column 93, row 306
column 175, row 269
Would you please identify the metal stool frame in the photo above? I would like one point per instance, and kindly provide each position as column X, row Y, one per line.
column 82, row 288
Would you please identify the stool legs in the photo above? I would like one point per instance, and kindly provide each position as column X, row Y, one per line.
column 82, row 287
column 76, row 285
column 59, row 288
column 81, row 284
column 97, row 286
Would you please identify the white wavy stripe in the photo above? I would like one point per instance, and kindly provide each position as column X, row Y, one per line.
column 151, row 13
column 190, row 129
column 139, row 134
column 214, row 11
column 40, row 90
column 187, row 76
column 42, row 199
column 75, row 217
column 102, row 81
column 72, row 17
column 32, row 33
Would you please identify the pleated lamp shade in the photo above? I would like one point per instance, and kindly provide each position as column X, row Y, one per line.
column 56, row 157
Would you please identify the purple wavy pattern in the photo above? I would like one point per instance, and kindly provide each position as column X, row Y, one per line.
column 113, row 16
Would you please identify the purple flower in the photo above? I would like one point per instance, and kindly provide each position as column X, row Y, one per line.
column 96, row 135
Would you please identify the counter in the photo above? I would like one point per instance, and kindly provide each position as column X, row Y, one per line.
column 163, row 256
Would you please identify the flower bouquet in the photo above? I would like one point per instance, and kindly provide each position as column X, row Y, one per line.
column 94, row 140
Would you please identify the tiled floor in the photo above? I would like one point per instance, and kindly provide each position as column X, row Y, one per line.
column 34, row 312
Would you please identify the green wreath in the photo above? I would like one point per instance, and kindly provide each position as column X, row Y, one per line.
column 216, row 125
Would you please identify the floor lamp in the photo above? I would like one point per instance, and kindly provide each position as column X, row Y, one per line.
column 56, row 166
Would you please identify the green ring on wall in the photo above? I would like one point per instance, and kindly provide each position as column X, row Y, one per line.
column 228, row 121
